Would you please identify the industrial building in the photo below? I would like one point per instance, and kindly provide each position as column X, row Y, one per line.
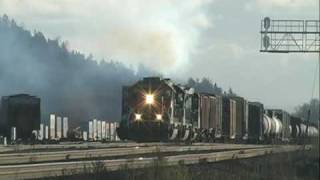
column 22, row 112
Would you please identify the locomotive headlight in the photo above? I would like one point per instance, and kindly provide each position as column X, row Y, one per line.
column 149, row 99
column 159, row 116
column 138, row 117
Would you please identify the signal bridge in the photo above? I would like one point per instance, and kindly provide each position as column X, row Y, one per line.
column 285, row 36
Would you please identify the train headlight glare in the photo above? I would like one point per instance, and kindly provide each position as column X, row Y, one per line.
column 159, row 116
column 149, row 99
column 138, row 116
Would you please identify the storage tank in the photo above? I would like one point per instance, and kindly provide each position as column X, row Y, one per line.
column 52, row 126
column 46, row 132
column 108, row 131
column 85, row 135
column 59, row 127
column 112, row 131
column 41, row 132
column 103, row 130
column 99, row 130
column 65, row 127
column 13, row 134
column 90, row 130
column 95, row 130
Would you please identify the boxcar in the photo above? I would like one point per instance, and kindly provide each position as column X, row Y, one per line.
column 229, row 119
column 241, row 118
column 218, row 116
column 255, row 119
column 210, row 116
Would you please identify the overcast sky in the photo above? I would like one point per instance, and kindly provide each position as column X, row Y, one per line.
column 218, row 39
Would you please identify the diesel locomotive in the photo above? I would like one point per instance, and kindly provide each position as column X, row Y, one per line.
column 155, row 109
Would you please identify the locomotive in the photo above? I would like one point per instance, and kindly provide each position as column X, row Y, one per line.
column 155, row 109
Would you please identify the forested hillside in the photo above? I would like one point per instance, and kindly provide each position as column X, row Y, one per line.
column 68, row 82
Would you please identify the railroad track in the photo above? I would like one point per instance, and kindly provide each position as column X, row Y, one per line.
column 86, row 145
column 27, row 171
column 38, row 157
column 70, row 146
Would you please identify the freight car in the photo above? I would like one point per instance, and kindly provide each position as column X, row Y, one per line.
column 156, row 109
column 241, row 118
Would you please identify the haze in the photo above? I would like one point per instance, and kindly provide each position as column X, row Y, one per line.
column 218, row 39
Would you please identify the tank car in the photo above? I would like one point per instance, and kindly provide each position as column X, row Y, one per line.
column 283, row 131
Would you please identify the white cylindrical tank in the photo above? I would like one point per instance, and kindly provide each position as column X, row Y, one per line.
column 298, row 131
column 303, row 129
column 290, row 130
column 95, row 129
column 90, row 130
column 312, row 131
column 52, row 126
column 59, row 127
column 99, row 134
column 107, row 130
column 41, row 132
column 309, row 131
column 85, row 135
column 46, row 132
column 103, row 130
column 266, row 125
column 13, row 133
column 273, row 126
column 278, row 127
column 112, row 135
column 65, row 127
column 316, row 132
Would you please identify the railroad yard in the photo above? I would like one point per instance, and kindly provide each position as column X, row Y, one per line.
column 39, row 161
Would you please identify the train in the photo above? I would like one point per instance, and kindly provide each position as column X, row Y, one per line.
column 158, row 110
